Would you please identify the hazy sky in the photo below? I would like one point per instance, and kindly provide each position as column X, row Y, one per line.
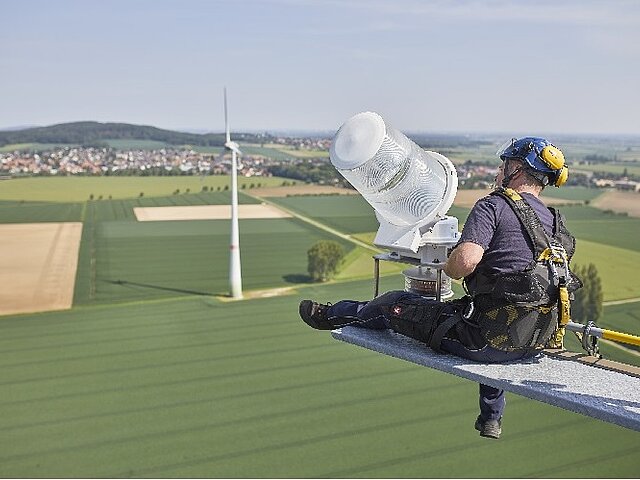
column 559, row 66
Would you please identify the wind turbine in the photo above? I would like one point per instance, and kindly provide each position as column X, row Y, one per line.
column 235, row 270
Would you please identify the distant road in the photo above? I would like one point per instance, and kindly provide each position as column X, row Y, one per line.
column 621, row 302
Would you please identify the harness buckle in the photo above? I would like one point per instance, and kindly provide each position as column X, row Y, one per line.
column 468, row 310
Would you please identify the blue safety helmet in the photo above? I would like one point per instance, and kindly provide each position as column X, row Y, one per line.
column 544, row 160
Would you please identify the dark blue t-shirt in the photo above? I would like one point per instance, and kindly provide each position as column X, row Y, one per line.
column 493, row 225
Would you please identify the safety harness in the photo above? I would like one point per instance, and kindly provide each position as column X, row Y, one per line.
column 528, row 309
column 518, row 311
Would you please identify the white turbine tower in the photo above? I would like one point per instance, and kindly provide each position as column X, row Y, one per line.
column 235, row 270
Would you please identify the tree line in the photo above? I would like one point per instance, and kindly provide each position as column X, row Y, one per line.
column 94, row 134
column 322, row 172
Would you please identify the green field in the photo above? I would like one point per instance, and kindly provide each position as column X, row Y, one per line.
column 133, row 144
column 622, row 150
column 346, row 213
column 588, row 223
column 196, row 388
column 149, row 375
column 266, row 152
column 78, row 189
column 33, row 146
column 572, row 193
column 618, row 267
column 122, row 259
column 153, row 259
column 618, row 168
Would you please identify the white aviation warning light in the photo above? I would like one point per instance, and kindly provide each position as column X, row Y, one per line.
column 411, row 191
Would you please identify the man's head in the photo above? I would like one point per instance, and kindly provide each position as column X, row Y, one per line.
column 532, row 160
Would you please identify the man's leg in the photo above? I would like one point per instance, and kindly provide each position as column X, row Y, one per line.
column 349, row 312
column 492, row 402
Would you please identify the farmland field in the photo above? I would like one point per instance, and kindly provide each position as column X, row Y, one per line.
column 131, row 144
column 122, row 259
column 619, row 168
column 298, row 153
column 588, row 223
column 621, row 202
column 192, row 387
column 152, row 259
column 79, row 189
column 572, row 193
column 622, row 150
column 32, row 146
column 266, row 152
column 618, row 268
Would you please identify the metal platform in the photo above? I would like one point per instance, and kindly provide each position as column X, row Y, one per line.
column 600, row 393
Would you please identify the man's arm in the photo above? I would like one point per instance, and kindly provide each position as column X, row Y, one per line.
column 463, row 260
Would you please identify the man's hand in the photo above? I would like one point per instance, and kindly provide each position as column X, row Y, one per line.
column 463, row 260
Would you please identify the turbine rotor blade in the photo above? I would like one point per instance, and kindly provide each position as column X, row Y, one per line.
column 226, row 119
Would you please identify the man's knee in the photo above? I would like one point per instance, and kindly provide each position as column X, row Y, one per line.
column 414, row 316
column 388, row 298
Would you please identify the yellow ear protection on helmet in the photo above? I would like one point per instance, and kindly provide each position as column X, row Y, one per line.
column 562, row 177
column 554, row 159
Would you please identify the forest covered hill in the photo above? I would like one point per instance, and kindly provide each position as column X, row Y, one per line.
column 95, row 134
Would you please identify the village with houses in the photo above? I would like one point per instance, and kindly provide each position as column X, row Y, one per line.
column 287, row 157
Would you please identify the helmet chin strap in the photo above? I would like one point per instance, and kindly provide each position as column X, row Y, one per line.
column 508, row 178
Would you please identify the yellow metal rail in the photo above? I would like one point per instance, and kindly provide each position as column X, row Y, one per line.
column 604, row 333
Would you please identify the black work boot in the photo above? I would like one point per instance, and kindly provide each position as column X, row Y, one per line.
column 315, row 315
column 489, row 428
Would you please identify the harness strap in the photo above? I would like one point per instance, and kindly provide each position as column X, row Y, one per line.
column 441, row 330
column 528, row 218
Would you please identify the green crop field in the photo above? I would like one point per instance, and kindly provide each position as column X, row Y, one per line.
column 34, row 212
column 134, row 144
column 38, row 147
column 122, row 259
column 618, row 168
column 618, row 268
column 622, row 150
column 78, row 189
column 480, row 153
column 192, row 387
column 149, row 375
column 266, row 152
column 624, row 317
column 591, row 224
column 572, row 193
column 214, row 150
column 151, row 259
column 346, row 213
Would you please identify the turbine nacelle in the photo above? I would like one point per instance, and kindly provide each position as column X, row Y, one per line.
column 232, row 147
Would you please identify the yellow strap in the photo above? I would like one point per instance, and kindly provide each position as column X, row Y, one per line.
column 512, row 194
column 564, row 316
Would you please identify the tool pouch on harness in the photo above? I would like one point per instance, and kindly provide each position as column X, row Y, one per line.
column 524, row 310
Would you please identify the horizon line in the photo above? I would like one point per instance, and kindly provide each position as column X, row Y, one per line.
column 327, row 131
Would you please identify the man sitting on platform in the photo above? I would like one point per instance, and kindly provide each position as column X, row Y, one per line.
column 513, row 254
